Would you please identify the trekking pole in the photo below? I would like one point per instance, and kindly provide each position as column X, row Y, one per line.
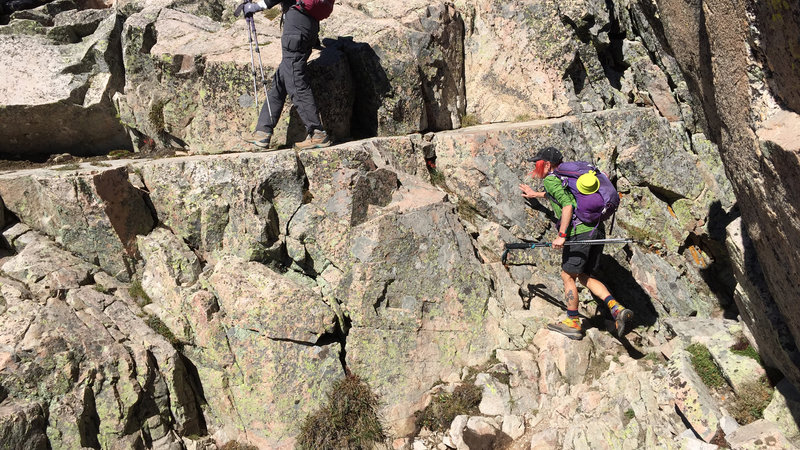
column 249, row 20
column 528, row 245
column 250, row 8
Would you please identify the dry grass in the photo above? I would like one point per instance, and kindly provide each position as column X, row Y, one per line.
column 349, row 420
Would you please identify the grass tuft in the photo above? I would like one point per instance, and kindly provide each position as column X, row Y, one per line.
column 114, row 154
column 236, row 445
column 468, row 120
column 70, row 166
column 138, row 294
column 749, row 405
column 439, row 414
column 348, row 421
column 161, row 328
column 705, row 367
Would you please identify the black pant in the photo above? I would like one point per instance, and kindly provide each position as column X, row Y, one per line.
column 300, row 32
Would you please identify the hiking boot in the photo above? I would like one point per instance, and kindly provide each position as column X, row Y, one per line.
column 259, row 138
column 570, row 328
column 623, row 322
column 317, row 139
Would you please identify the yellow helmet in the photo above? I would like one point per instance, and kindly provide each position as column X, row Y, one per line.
column 588, row 183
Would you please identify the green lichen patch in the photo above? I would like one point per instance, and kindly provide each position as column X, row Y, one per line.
column 349, row 419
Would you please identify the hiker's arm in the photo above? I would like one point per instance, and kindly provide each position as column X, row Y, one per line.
column 566, row 218
column 271, row 3
column 528, row 192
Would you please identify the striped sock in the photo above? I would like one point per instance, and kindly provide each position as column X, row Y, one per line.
column 572, row 313
column 613, row 306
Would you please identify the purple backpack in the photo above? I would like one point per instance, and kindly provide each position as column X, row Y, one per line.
column 592, row 208
column 318, row 9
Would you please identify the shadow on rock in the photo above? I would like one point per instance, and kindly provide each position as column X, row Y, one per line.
column 370, row 81
column 627, row 291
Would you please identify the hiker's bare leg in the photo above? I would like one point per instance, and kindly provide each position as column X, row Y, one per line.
column 570, row 290
column 596, row 286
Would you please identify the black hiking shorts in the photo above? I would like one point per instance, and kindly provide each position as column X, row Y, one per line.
column 583, row 259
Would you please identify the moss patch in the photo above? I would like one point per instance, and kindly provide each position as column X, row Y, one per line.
column 439, row 414
column 349, row 419
column 743, row 348
column 705, row 367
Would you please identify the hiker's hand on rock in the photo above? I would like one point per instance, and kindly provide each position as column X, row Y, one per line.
column 558, row 242
column 528, row 192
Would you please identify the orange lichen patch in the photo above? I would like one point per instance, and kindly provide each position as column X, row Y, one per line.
column 697, row 255
column 671, row 211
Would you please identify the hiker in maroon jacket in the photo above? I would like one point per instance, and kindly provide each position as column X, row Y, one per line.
column 578, row 262
column 300, row 33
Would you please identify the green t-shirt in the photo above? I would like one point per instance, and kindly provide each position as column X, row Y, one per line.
column 562, row 196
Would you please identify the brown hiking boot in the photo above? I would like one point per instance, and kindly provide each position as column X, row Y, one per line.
column 259, row 138
column 317, row 139
column 570, row 328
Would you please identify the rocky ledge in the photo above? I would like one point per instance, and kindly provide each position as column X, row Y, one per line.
column 166, row 302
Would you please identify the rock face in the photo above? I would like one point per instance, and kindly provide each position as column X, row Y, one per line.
column 61, row 81
column 88, row 360
column 734, row 62
column 92, row 211
column 148, row 302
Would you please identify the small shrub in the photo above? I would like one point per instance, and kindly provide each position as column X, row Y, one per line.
column 348, row 421
column 523, row 118
column 653, row 357
column 630, row 414
column 468, row 120
column 466, row 210
column 272, row 13
column 705, row 367
column 137, row 293
column 439, row 414
column 437, row 178
column 156, row 116
column 236, row 445
column 70, row 166
column 119, row 154
column 100, row 288
column 748, row 406
column 743, row 348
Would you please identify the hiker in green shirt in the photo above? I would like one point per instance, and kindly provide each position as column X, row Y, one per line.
column 578, row 262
